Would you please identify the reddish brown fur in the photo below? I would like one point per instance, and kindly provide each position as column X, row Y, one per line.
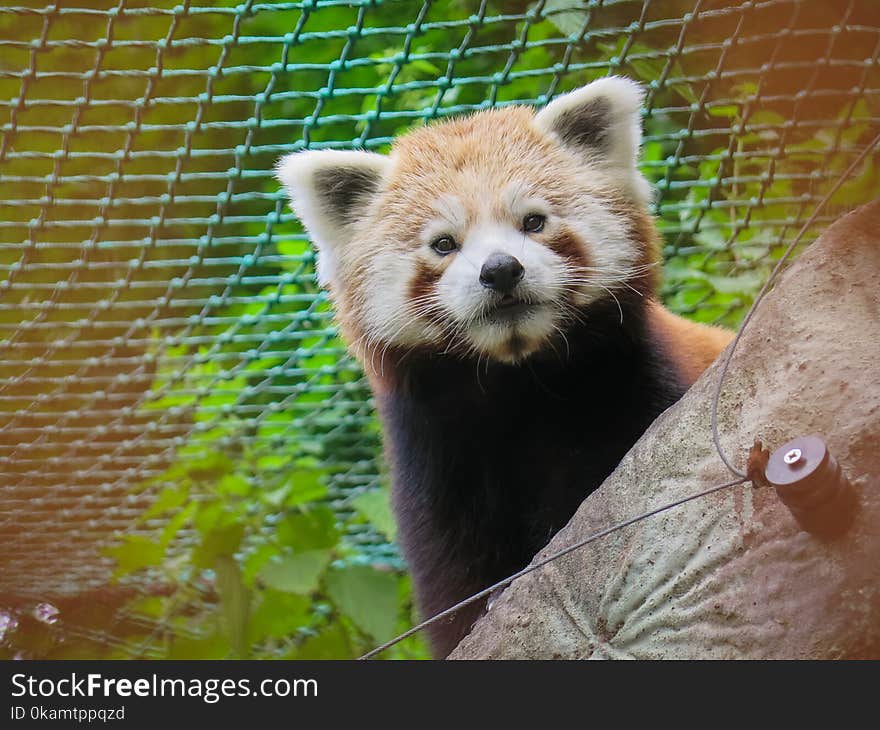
column 423, row 282
column 694, row 346
column 567, row 245
column 476, row 156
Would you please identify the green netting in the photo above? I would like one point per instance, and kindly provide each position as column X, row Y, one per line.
column 180, row 424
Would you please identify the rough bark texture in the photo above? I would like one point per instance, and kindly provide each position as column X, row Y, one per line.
column 731, row 575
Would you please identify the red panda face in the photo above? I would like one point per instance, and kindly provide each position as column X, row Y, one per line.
column 485, row 236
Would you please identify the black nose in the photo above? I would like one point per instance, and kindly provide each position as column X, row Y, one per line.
column 501, row 272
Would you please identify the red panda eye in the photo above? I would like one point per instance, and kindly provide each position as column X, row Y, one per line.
column 533, row 223
column 444, row 245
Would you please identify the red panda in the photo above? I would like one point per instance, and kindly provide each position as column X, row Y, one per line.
column 495, row 274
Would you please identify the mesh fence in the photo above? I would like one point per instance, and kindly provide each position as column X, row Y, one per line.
column 188, row 458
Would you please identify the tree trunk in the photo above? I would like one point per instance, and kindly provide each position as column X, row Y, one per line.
column 731, row 575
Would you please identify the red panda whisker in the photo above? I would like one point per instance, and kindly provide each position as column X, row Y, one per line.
column 480, row 382
column 627, row 272
column 561, row 332
column 607, row 289
column 616, row 300
column 615, row 282
column 603, row 273
column 632, row 288
column 390, row 338
column 456, row 335
column 571, row 315
column 604, row 283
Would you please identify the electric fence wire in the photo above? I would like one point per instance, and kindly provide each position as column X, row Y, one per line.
column 742, row 478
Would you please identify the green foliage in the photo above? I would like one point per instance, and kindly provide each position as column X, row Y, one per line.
column 281, row 579
column 376, row 509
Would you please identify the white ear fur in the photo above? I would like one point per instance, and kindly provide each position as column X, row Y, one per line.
column 329, row 190
column 602, row 121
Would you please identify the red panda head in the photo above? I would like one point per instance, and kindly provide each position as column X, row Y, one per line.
column 487, row 235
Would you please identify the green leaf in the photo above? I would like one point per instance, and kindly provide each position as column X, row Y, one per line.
column 218, row 542
column 255, row 560
column 426, row 67
column 234, row 601
column 312, row 528
column 173, row 526
column 296, row 573
column 278, row 615
column 136, row 552
column 208, row 516
column 305, row 486
column 168, row 499
column 375, row 506
column 367, row 596
column 234, row 485
column 746, row 282
column 268, row 462
column 152, row 606
column 331, row 643
column 728, row 111
column 276, row 497
column 213, row 646
column 210, row 466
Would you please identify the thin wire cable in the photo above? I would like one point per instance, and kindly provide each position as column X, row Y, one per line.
column 716, row 397
column 545, row 561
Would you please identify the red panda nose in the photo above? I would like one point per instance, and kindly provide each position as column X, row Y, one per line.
column 501, row 272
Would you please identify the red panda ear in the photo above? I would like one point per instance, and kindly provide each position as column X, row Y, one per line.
column 329, row 190
column 602, row 122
